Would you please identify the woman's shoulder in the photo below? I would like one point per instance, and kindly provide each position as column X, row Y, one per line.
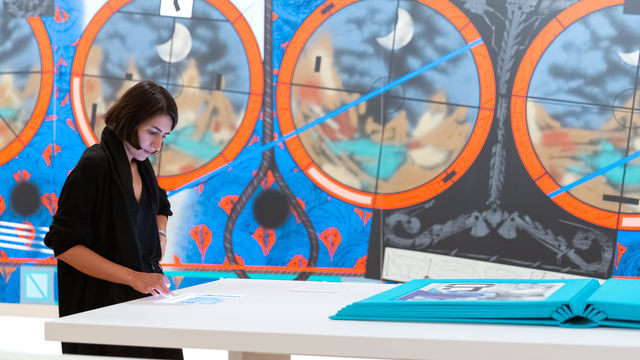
column 93, row 160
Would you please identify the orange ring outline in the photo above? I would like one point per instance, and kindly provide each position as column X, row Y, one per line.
column 425, row 191
column 254, row 102
column 519, row 118
column 44, row 94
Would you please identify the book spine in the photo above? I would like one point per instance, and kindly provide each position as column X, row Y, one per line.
column 579, row 301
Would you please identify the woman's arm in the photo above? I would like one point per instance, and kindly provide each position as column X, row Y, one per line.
column 162, row 225
column 89, row 262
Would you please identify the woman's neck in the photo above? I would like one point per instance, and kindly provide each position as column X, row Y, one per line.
column 129, row 150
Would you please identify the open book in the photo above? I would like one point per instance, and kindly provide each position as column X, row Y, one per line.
column 566, row 302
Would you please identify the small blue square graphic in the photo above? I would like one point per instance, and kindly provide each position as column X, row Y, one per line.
column 36, row 284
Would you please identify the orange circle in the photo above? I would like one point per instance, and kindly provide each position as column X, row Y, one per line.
column 425, row 191
column 521, row 132
column 44, row 94
column 254, row 101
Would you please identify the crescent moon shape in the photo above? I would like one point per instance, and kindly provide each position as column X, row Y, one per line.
column 401, row 35
column 178, row 47
column 630, row 58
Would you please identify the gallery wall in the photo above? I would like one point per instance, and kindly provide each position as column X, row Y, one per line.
column 319, row 140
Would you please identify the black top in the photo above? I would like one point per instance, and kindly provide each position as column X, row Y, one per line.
column 146, row 224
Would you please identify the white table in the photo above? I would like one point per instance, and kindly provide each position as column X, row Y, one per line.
column 275, row 318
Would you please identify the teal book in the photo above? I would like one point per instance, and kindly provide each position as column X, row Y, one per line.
column 565, row 302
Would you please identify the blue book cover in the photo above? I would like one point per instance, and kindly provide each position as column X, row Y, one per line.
column 562, row 302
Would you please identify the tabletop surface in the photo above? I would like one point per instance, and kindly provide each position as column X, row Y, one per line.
column 291, row 317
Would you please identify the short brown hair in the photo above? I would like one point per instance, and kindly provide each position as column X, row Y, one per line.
column 139, row 103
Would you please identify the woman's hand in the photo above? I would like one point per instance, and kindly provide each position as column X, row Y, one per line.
column 150, row 283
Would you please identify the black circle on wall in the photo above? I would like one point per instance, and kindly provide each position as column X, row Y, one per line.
column 271, row 208
column 25, row 198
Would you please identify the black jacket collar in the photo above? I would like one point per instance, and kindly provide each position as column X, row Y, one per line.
column 120, row 168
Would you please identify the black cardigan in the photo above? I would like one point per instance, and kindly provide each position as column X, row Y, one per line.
column 95, row 209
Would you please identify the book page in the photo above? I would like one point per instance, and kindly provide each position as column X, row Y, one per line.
column 195, row 298
column 483, row 291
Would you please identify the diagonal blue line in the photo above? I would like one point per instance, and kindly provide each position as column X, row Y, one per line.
column 384, row 88
column 36, row 284
column 594, row 174
column 337, row 111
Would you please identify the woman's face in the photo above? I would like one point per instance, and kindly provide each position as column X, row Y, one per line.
column 151, row 134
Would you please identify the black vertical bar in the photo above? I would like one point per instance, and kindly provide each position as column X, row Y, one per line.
column 94, row 109
column 218, row 81
column 317, row 66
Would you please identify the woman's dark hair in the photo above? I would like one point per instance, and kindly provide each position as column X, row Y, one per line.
column 139, row 103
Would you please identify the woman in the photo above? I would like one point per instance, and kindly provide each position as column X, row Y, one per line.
column 108, row 233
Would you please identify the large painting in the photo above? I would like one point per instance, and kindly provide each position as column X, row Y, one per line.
column 333, row 139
